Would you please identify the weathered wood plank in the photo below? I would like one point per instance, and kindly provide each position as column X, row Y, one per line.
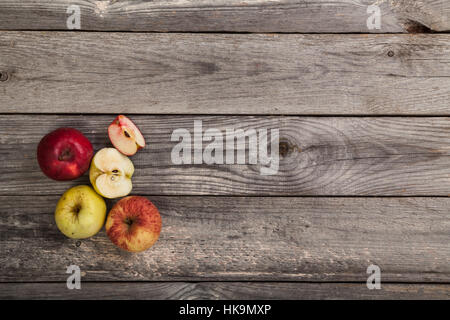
column 318, row 156
column 57, row 72
column 222, row 290
column 240, row 239
column 331, row 16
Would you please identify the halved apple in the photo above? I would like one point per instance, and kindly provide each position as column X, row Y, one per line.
column 110, row 173
column 125, row 136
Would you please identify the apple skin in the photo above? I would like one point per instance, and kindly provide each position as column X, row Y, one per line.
column 64, row 154
column 134, row 224
column 80, row 212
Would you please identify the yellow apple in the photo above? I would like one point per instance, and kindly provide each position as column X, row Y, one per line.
column 110, row 173
column 80, row 212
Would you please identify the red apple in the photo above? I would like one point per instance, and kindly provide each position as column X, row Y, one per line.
column 64, row 154
column 125, row 136
column 133, row 224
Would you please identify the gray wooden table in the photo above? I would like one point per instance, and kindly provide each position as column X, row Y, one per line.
column 364, row 174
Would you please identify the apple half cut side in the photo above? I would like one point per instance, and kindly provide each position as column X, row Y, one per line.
column 125, row 136
column 111, row 173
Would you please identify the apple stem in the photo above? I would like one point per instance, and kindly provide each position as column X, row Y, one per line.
column 66, row 154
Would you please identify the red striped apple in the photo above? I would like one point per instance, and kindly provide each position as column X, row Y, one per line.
column 133, row 224
column 64, row 154
column 125, row 136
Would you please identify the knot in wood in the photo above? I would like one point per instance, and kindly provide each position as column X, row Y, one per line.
column 4, row 76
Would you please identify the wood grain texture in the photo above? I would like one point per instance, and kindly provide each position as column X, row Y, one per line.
column 241, row 239
column 57, row 72
column 319, row 156
column 222, row 291
column 332, row 16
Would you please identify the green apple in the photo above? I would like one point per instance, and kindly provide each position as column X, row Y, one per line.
column 80, row 212
column 110, row 173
